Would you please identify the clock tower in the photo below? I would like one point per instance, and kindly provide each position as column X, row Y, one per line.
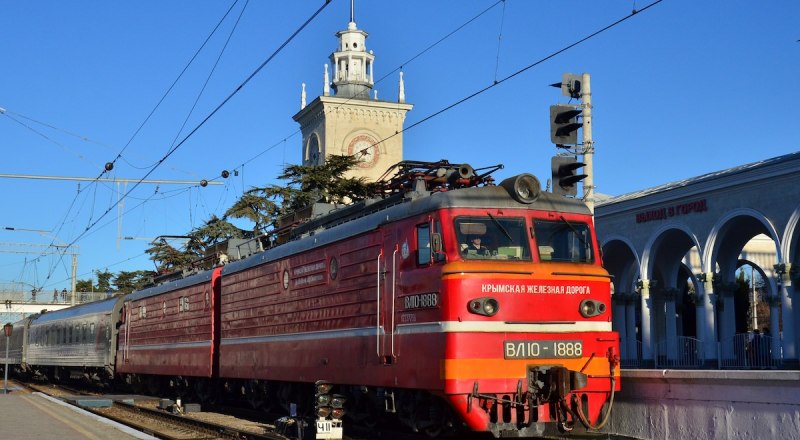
column 348, row 118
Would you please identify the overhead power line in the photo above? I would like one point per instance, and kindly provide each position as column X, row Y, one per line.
column 108, row 179
column 72, row 204
column 379, row 80
column 518, row 72
column 209, row 116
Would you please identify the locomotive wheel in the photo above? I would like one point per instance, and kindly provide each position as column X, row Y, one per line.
column 286, row 395
column 433, row 431
column 435, row 418
column 153, row 386
column 204, row 389
column 136, row 384
column 255, row 393
column 299, row 394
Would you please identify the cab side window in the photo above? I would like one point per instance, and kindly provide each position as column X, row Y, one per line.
column 424, row 253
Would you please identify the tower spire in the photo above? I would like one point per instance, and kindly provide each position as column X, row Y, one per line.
column 401, row 94
column 352, row 63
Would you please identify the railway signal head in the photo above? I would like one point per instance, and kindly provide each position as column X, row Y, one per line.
column 322, row 398
column 565, row 175
column 564, row 124
column 570, row 85
column 337, row 403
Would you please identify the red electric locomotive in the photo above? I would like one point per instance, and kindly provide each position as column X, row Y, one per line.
column 449, row 302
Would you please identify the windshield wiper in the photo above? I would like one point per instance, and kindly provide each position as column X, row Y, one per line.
column 500, row 226
column 580, row 236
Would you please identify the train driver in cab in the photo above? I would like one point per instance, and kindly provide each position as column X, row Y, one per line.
column 473, row 246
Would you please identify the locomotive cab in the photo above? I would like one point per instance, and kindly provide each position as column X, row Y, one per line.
column 524, row 285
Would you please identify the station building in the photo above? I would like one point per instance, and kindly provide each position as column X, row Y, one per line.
column 705, row 269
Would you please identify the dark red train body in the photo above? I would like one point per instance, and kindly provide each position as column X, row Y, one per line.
column 380, row 296
column 383, row 299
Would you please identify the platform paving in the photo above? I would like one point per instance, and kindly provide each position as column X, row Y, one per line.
column 37, row 416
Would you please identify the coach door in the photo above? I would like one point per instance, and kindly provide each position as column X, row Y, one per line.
column 387, row 277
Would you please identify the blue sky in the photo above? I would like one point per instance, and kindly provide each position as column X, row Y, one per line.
column 679, row 90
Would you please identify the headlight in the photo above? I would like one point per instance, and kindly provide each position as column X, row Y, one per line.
column 590, row 307
column 484, row 306
column 524, row 188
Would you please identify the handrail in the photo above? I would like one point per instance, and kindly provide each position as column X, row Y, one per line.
column 127, row 332
column 394, row 286
column 378, row 320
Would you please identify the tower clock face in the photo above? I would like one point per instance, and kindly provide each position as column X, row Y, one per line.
column 364, row 147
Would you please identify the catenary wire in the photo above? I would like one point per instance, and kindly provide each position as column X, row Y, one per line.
column 66, row 215
column 206, row 119
column 518, row 72
column 380, row 79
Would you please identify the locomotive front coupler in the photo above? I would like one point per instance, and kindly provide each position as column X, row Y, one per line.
column 552, row 383
column 545, row 384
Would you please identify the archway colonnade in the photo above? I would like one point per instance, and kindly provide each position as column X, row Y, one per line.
column 706, row 271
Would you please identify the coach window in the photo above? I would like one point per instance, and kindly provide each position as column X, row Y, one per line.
column 91, row 330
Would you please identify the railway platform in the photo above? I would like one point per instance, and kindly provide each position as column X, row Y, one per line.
column 35, row 415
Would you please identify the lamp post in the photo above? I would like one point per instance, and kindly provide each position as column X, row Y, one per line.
column 8, row 328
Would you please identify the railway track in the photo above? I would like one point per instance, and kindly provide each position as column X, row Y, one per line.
column 221, row 422
column 160, row 423
column 170, row 426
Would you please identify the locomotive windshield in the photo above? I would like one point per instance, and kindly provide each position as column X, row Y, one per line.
column 493, row 238
column 563, row 241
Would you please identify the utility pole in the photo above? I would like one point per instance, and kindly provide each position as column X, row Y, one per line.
column 74, row 276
